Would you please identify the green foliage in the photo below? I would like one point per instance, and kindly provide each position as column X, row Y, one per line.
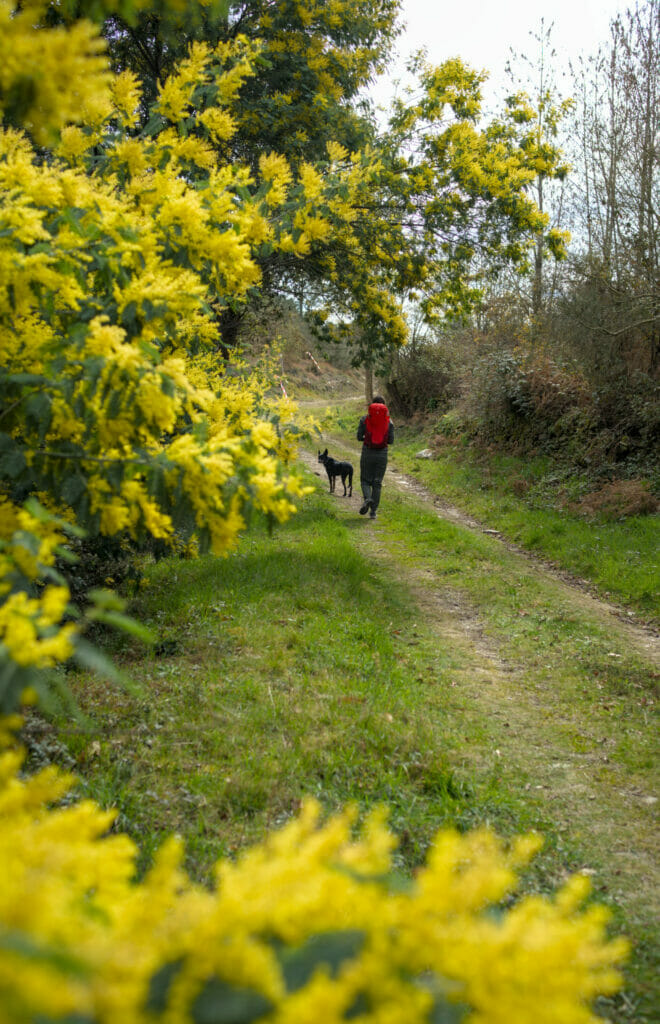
column 536, row 403
column 222, row 1003
column 315, row 57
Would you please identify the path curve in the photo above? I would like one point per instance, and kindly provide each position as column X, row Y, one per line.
column 643, row 636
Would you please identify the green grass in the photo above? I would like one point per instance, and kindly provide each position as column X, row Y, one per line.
column 296, row 669
column 620, row 558
column 313, row 663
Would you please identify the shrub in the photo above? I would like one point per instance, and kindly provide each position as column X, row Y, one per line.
column 304, row 927
column 422, row 379
column 514, row 393
column 618, row 500
column 535, row 403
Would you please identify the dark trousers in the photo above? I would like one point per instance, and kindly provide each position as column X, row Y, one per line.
column 373, row 463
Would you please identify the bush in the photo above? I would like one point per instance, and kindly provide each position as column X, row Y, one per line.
column 305, row 927
column 512, row 391
column 422, row 379
column 629, row 407
column 618, row 500
column 534, row 403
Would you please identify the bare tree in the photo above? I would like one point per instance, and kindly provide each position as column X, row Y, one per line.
column 616, row 192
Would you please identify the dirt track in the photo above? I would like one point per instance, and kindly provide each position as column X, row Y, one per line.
column 645, row 639
column 567, row 756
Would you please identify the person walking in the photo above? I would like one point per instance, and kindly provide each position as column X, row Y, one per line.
column 376, row 432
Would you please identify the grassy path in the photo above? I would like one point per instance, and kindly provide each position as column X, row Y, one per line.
column 413, row 661
column 544, row 675
column 551, row 688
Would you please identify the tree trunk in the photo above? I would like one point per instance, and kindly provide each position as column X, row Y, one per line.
column 368, row 383
column 537, row 283
column 230, row 323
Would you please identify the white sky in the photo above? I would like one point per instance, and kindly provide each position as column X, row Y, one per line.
column 482, row 33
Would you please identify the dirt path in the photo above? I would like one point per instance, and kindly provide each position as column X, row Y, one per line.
column 645, row 639
column 567, row 760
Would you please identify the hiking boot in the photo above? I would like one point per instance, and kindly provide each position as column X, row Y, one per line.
column 372, row 514
column 365, row 507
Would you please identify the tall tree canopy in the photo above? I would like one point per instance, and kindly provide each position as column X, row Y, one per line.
column 442, row 191
column 314, row 59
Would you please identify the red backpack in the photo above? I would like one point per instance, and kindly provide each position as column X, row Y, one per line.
column 377, row 424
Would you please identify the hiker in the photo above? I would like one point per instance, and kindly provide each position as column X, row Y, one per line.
column 376, row 432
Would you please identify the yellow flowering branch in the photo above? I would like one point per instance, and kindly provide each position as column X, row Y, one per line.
column 301, row 928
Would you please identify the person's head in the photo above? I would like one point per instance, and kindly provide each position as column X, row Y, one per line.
column 377, row 400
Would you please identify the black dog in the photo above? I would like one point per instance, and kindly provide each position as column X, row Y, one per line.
column 335, row 469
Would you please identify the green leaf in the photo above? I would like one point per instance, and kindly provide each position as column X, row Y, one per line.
column 38, row 409
column 108, row 600
column 167, row 385
column 160, row 985
column 56, row 698
column 32, row 379
column 25, row 946
column 73, row 217
column 221, row 1003
column 114, row 405
column 12, row 463
column 115, row 473
column 129, row 318
column 72, row 489
column 150, row 350
column 329, row 949
column 155, row 124
column 125, row 623
column 28, row 540
column 90, row 657
column 67, row 556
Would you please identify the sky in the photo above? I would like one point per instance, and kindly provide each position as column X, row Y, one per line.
column 482, row 33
